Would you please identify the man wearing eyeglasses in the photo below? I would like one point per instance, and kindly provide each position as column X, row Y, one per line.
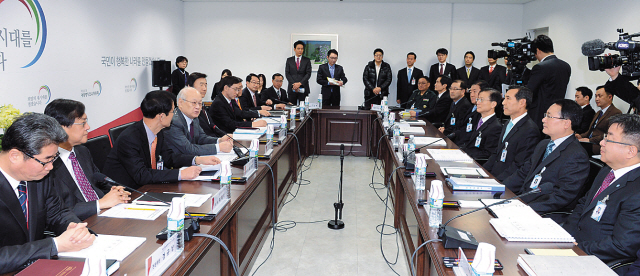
column 74, row 170
column 560, row 160
column 224, row 110
column 28, row 201
column 484, row 134
column 331, row 77
column 606, row 221
column 185, row 135
column 458, row 110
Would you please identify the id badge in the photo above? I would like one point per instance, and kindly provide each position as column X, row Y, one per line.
column 453, row 121
column 413, row 81
column 478, row 140
column 503, row 156
column 536, row 181
column 160, row 165
column 598, row 211
column 469, row 126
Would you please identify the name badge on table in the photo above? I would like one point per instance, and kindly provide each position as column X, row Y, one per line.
column 478, row 140
column 503, row 156
column 469, row 126
column 536, row 180
column 599, row 210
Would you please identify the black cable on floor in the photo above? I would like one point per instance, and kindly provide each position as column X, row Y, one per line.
column 395, row 232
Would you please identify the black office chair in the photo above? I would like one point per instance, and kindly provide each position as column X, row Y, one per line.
column 621, row 266
column 99, row 148
column 114, row 132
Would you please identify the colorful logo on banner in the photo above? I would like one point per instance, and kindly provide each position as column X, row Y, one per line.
column 95, row 91
column 43, row 97
column 37, row 16
column 99, row 86
column 133, row 86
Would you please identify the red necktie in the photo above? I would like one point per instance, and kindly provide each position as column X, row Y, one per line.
column 297, row 63
column 441, row 69
column 607, row 181
column 254, row 100
column 231, row 104
column 490, row 70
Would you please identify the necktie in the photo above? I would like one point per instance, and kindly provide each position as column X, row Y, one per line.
column 238, row 102
column 24, row 201
column 83, row 182
column 191, row 130
column 479, row 124
column 441, row 69
column 231, row 104
column 153, row 153
column 549, row 149
column 595, row 123
column 409, row 76
column 475, row 107
column 509, row 127
column 331, row 70
column 278, row 92
column 255, row 104
column 468, row 72
column 297, row 63
column 607, row 181
column 490, row 70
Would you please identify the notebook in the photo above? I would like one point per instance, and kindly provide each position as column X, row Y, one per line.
column 531, row 230
column 536, row 265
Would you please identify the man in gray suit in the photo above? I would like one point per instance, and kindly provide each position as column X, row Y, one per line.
column 185, row 134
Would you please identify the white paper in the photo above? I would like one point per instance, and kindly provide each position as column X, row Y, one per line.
column 114, row 247
column 449, row 155
column 258, row 130
column 412, row 130
column 128, row 211
column 421, row 141
column 463, row 171
column 194, row 200
column 472, row 204
column 414, row 123
column 246, row 137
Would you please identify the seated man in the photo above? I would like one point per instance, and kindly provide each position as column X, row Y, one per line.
column 600, row 120
column 141, row 154
column 485, row 134
column 422, row 99
column 518, row 138
column 463, row 134
column 275, row 93
column 459, row 109
column 251, row 100
column 583, row 98
column 199, row 82
column 438, row 113
column 29, row 147
column 185, row 134
column 560, row 160
column 73, row 171
column 224, row 110
column 605, row 223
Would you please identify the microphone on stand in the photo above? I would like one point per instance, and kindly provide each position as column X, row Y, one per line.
column 337, row 223
column 454, row 238
column 364, row 107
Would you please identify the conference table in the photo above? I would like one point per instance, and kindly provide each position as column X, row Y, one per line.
column 244, row 223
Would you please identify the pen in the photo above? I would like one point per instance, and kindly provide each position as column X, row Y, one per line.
column 198, row 215
column 140, row 209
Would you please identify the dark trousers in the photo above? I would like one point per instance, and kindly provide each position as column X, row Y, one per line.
column 295, row 97
column 372, row 99
column 331, row 99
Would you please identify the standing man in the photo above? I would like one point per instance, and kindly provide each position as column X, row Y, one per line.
column 275, row 93
column 583, row 97
column 28, row 201
column 180, row 75
column 377, row 79
column 600, row 121
column 469, row 73
column 408, row 80
column 549, row 78
column 493, row 74
column 442, row 68
column 73, row 171
column 298, row 71
column 458, row 110
column 331, row 77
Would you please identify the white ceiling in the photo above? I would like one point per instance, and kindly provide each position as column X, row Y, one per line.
column 381, row 1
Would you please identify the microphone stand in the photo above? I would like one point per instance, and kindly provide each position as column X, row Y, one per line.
column 337, row 224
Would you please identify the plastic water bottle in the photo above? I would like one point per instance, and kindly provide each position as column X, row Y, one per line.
column 436, row 197
column 306, row 103
column 175, row 221
column 385, row 102
column 396, row 133
column 320, row 101
column 412, row 144
column 420, row 171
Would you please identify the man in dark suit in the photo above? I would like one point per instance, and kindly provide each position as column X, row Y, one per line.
column 180, row 75
column 583, row 98
column 438, row 113
column 28, row 201
column 549, row 78
column 469, row 73
column 250, row 99
column 298, row 72
column 442, row 68
column 185, row 135
column 199, row 82
column 140, row 155
column 459, row 109
column 331, row 89
column 463, row 134
column 606, row 221
column 73, row 171
column 408, row 80
column 560, row 160
column 493, row 74
column 518, row 138
column 485, row 131
column 275, row 93
column 224, row 110
column 600, row 121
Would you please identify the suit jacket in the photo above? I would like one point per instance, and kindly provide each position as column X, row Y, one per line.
column 271, row 94
column 68, row 190
column 207, row 125
column 548, row 83
column 496, row 78
column 18, row 245
column 587, row 118
column 601, row 128
column 488, row 132
column 617, row 234
column 474, row 75
column 293, row 75
column 246, row 100
column 434, row 73
column 567, row 168
column 179, row 139
column 439, row 112
column 520, row 143
column 324, row 73
column 459, row 111
column 405, row 87
column 461, row 136
column 178, row 81
column 129, row 161
column 224, row 117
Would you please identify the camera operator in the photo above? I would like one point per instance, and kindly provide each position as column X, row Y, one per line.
column 548, row 80
column 621, row 86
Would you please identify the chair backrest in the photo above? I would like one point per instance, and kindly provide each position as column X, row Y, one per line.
column 114, row 132
column 99, row 147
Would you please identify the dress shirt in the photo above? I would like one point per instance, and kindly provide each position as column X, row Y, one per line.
column 605, row 109
column 189, row 120
column 559, row 141
column 485, row 119
column 64, row 156
column 545, row 58
column 443, row 66
column 622, row 171
column 584, row 106
column 517, row 119
column 151, row 136
column 440, row 94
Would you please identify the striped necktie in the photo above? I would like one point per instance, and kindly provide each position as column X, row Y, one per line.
column 24, row 201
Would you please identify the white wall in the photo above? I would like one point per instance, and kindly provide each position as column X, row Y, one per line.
column 80, row 33
column 256, row 37
column 573, row 22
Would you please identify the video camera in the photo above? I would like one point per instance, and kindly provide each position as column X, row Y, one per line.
column 519, row 52
column 628, row 59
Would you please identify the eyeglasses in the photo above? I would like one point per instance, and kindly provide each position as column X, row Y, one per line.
column 479, row 100
column 333, row 58
column 615, row 142
column 83, row 124
column 377, row 55
column 236, row 89
column 456, row 88
column 193, row 103
column 546, row 115
column 43, row 163
column 255, row 82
